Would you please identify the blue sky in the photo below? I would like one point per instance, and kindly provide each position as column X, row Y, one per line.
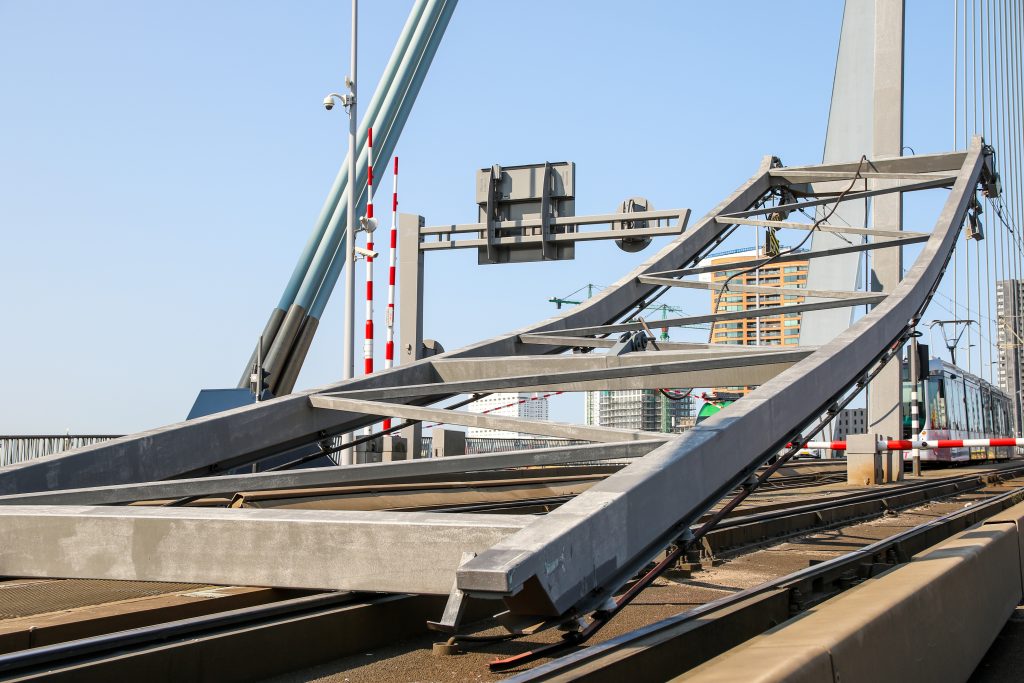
column 161, row 165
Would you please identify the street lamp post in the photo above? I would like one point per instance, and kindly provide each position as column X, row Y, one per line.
column 349, row 102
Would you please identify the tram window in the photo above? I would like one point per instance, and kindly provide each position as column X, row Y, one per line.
column 973, row 409
column 1004, row 417
column 936, row 403
column 982, row 417
column 969, row 403
column 988, row 412
column 955, row 403
column 998, row 422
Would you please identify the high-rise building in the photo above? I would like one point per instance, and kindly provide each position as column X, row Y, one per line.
column 524, row 405
column 850, row 421
column 643, row 409
column 775, row 330
column 1010, row 318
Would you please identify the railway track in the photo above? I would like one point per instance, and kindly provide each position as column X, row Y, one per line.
column 292, row 633
column 666, row 649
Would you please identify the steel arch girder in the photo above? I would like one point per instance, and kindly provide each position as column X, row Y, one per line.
column 573, row 559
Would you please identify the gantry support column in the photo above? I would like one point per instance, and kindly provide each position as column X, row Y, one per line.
column 884, row 395
column 410, row 308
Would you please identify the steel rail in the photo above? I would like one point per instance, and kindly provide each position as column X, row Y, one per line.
column 633, row 651
column 126, row 643
column 48, row 655
column 179, row 633
column 857, row 506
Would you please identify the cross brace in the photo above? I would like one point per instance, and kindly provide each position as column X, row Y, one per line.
column 770, row 311
column 754, row 289
column 797, row 256
column 842, row 229
column 940, row 181
column 501, row 422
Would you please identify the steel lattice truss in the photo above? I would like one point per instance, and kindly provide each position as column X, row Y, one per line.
column 65, row 515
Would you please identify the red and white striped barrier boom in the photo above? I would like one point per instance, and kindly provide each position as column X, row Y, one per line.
column 368, row 343
column 923, row 444
column 389, row 312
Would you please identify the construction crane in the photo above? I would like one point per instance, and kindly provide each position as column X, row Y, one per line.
column 665, row 309
column 563, row 301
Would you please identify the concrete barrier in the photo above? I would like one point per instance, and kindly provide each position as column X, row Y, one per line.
column 931, row 619
column 1015, row 516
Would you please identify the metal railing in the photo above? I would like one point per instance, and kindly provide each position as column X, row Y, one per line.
column 19, row 448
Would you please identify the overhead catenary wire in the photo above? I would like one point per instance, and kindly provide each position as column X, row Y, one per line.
column 1004, row 238
column 825, row 216
column 990, row 257
column 956, row 112
column 956, row 70
column 1016, row 118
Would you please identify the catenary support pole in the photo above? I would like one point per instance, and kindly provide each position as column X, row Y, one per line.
column 915, row 419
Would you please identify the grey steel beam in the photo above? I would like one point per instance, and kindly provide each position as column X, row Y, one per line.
column 621, row 523
column 771, row 311
column 609, row 342
column 556, row 237
column 844, row 229
column 370, row 473
column 399, row 552
column 800, row 256
column 754, row 289
column 558, row 430
column 931, row 183
column 682, row 216
column 813, row 176
column 410, row 309
column 919, row 163
column 468, row 369
column 730, row 370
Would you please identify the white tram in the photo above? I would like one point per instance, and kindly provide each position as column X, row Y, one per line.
column 954, row 404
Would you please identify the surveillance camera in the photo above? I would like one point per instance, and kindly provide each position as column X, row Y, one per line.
column 328, row 103
column 365, row 253
column 368, row 224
